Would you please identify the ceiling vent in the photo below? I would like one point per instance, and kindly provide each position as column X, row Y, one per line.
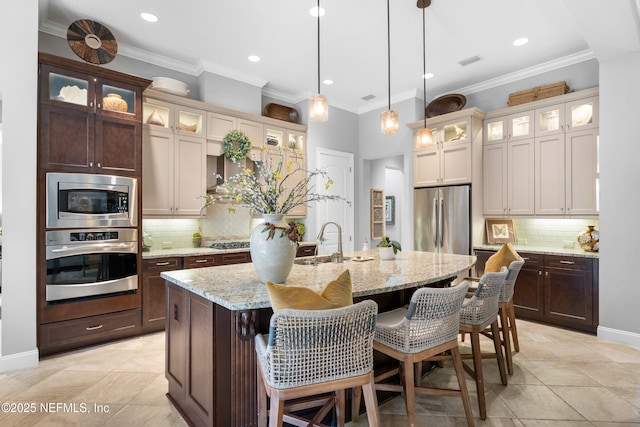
column 368, row 97
column 468, row 61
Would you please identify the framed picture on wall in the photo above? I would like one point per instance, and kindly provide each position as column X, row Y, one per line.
column 390, row 210
column 500, row 230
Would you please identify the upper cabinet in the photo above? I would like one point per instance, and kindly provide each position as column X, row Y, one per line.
column 163, row 116
column 542, row 158
column 89, row 118
column 446, row 157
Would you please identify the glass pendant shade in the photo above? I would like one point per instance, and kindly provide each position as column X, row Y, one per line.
column 389, row 122
column 319, row 108
column 425, row 137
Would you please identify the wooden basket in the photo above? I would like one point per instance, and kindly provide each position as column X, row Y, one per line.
column 536, row 93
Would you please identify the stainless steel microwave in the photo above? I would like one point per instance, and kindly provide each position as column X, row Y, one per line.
column 78, row 200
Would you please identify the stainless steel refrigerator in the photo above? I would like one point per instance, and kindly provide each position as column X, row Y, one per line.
column 442, row 219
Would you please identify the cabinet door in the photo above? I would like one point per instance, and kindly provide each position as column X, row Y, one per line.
column 66, row 138
column 154, row 294
column 117, row 99
column 495, row 130
column 455, row 166
column 189, row 121
column 568, row 292
column 200, row 261
column 66, row 88
column 218, row 125
column 528, row 296
column 157, row 173
column 494, row 174
column 550, row 120
column 117, row 146
column 583, row 114
column 298, row 167
column 190, row 162
column 176, row 336
column 549, row 175
column 253, row 130
column 581, row 172
column 426, row 168
column 520, row 172
column 521, row 125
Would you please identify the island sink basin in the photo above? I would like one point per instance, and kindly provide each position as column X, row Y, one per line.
column 318, row 260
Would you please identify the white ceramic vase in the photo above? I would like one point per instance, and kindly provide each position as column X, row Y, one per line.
column 272, row 258
column 386, row 252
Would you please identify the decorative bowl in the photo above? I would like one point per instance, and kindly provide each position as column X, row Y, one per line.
column 172, row 86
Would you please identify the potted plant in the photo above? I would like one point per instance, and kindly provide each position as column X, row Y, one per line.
column 388, row 248
column 197, row 239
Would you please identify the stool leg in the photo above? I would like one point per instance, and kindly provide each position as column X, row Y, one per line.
column 340, row 407
column 495, row 331
column 477, row 369
column 462, row 383
column 512, row 326
column 262, row 400
column 506, row 337
column 355, row 403
column 371, row 402
column 276, row 411
column 410, row 390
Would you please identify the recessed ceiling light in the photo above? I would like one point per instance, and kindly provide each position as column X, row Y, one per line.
column 314, row 11
column 254, row 58
column 428, row 76
column 149, row 17
column 327, row 81
column 521, row 41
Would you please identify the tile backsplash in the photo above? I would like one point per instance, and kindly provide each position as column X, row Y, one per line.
column 551, row 233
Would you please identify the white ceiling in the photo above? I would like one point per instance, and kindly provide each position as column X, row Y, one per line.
column 192, row 36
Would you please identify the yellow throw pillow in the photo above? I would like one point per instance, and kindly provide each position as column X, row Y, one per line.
column 337, row 293
column 505, row 256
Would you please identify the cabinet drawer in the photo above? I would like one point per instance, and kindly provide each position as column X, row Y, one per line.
column 532, row 261
column 234, row 258
column 199, row 261
column 89, row 330
column 162, row 264
column 568, row 262
column 306, row 250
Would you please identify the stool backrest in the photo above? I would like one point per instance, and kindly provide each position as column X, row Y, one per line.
column 312, row 346
column 484, row 303
column 510, row 282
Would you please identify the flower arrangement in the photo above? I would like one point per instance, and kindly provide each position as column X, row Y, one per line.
column 273, row 185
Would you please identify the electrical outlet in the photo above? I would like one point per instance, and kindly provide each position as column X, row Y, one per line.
column 166, row 245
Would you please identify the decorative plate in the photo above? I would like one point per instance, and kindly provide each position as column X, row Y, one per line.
column 445, row 104
column 92, row 41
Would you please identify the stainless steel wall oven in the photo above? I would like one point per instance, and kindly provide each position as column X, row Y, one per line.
column 90, row 263
column 78, row 200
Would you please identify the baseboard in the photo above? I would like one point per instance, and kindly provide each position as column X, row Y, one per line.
column 619, row 336
column 26, row 359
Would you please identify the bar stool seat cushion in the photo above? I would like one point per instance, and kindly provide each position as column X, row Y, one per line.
column 337, row 293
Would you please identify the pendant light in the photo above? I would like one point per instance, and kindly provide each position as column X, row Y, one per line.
column 389, row 118
column 423, row 136
column 319, row 104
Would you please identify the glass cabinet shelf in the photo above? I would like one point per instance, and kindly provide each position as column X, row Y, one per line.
column 68, row 89
column 190, row 122
column 520, row 126
column 455, row 131
column 274, row 137
column 118, row 99
column 156, row 115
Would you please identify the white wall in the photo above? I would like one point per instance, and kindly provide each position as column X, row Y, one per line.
column 18, row 90
column 619, row 199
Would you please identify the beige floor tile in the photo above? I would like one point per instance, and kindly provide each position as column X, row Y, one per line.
column 527, row 401
column 60, row 387
column 154, row 394
column 95, row 417
column 630, row 394
column 117, row 387
column 617, row 352
column 613, row 374
column 554, row 423
column 535, row 351
column 598, row 404
column 146, row 416
column 560, row 373
column 610, row 424
column 143, row 361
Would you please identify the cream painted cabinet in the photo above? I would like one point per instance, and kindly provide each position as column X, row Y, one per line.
column 218, row 125
column 174, row 173
column 164, row 116
column 446, row 158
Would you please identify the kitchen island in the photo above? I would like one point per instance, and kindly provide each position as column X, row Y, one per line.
column 214, row 313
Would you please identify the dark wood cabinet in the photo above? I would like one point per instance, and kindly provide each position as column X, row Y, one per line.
column 89, row 118
column 233, row 258
column 560, row 290
column 306, row 250
column 154, row 300
column 200, row 261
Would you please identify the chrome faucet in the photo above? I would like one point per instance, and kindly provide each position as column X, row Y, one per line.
column 336, row 256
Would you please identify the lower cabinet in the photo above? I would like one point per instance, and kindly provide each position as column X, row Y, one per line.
column 555, row 289
column 154, row 303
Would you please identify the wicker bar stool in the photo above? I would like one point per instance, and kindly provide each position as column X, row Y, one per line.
column 477, row 313
column 314, row 352
column 426, row 330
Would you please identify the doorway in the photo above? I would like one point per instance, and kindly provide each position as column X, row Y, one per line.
column 339, row 166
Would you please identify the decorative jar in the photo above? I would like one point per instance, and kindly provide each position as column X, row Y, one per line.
column 272, row 254
column 114, row 102
column 589, row 239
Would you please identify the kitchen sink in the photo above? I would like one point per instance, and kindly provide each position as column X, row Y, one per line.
column 318, row 260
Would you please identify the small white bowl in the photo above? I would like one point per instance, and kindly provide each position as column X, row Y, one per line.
column 173, row 86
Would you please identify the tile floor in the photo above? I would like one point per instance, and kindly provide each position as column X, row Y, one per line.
column 561, row 378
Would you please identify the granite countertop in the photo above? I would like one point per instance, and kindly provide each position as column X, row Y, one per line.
column 237, row 286
column 182, row 252
column 578, row 252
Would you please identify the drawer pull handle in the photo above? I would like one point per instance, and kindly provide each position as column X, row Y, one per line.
column 175, row 311
column 94, row 328
column 200, row 261
column 525, row 259
column 567, row 262
column 160, row 264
